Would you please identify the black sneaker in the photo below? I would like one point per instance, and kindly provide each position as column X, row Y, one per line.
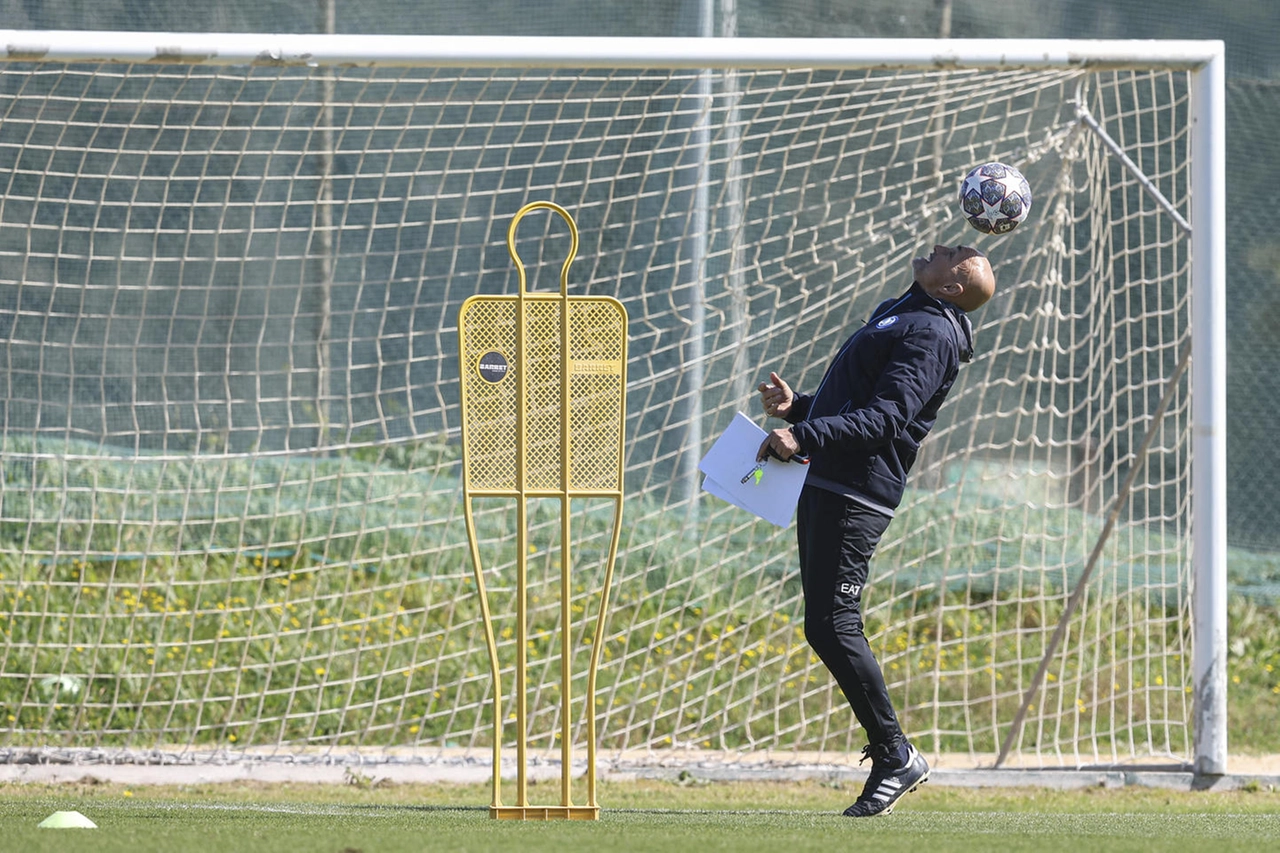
column 887, row 784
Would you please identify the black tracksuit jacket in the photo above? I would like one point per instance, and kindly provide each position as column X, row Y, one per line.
column 879, row 398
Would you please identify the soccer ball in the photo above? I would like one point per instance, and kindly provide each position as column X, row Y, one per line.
column 995, row 198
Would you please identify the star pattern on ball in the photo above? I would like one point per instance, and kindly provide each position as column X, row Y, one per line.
column 995, row 198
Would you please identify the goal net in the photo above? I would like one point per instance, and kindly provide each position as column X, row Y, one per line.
column 230, row 510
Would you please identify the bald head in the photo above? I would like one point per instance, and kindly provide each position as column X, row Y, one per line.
column 961, row 275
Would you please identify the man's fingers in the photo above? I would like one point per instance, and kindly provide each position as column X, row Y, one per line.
column 774, row 396
column 779, row 444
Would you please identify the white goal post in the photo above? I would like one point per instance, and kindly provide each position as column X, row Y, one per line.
column 230, row 272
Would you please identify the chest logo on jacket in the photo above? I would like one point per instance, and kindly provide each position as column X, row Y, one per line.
column 887, row 322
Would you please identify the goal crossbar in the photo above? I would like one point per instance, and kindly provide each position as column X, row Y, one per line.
column 616, row 52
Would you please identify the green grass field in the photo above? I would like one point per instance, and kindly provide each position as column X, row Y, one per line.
column 637, row 816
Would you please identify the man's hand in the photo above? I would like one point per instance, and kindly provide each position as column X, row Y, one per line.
column 776, row 396
column 781, row 442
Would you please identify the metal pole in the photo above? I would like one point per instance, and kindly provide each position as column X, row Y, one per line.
column 1209, row 415
column 589, row 52
column 696, row 239
column 734, row 217
column 328, row 13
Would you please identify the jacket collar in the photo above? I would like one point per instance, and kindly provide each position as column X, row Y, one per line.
column 959, row 319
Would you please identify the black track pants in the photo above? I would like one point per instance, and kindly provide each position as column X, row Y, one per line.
column 837, row 537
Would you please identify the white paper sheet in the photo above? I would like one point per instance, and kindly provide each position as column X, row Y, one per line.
column 730, row 469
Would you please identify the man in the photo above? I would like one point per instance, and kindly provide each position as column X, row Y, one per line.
column 861, row 430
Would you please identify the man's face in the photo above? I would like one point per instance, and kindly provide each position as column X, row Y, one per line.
column 939, row 267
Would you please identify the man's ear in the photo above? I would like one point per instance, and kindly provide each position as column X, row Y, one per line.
column 951, row 289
